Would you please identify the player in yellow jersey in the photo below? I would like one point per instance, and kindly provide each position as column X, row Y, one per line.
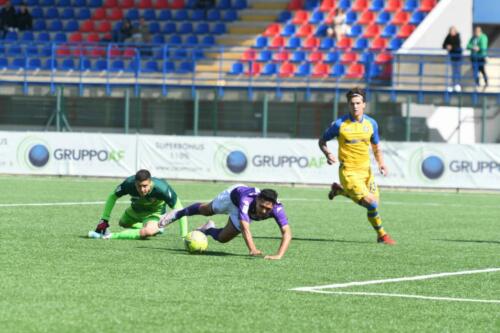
column 355, row 133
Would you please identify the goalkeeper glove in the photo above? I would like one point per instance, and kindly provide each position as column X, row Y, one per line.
column 102, row 227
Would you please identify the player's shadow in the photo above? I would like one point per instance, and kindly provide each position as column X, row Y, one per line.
column 329, row 240
column 469, row 241
column 206, row 253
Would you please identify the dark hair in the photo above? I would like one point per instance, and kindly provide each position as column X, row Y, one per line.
column 268, row 195
column 356, row 91
column 142, row 175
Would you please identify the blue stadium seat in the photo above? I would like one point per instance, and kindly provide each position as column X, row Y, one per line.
column 332, row 57
column 191, row 4
column 34, row 64
column 63, row 3
column 202, row 28
column 230, row 15
column 83, row 14
column 298, row 56
column 17, row 63
column 117, row 66
column 377, row 5
column 149, row 14
column 311, row 4
column 95, row 3
column 191, row 40
column 261, row 42
column 373, row 71
column 264, row 56
column 80, row 3
column 150, row 66
column 269, row 69
column 14, row 50
column 185, row 67
column 351, row 17
column 100, row 65
column 51, row 13
column 208, row 41
column 67, row 64
column 303, row 70
column 224, row 4
column 321, row 30
column 360, row 44
column 32, row 50
column 219, row 28
column 198, row 15
column 366, row 57
column 356, row 31
column 39, row 25
column 337, row 70
column 158, row 39
column 410, row 5
column 11, row 36
column 4, row 63
column 344, row 4
column 213, row 15
column 197, row 54
column 416, row 18
column 294, row 43
column 395, row 44
column 186, row 28
column 383, row 18
column 236, row 69
column 180, row 15
column 154, row 28
column 49, row 64
column 165, row 15
column 175, row 40
column 284, row 16
column 47, row 3
column 288, row 30
column 179, row 54
column 46, row 51
column 168, row 67
column 71, row 25
column 37, row 13
column 32, row 3
column 68, row 13
column 132, row 14
column 85, row 64
column 327, row 44
column 169, row 28
column 27, row 36
column 389, row 31
column 240, row 4
column 60, row 37
column 16, row 3
column 55, row 25
column 43, row 37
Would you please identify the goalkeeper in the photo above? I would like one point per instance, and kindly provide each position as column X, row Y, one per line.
column 149, row 197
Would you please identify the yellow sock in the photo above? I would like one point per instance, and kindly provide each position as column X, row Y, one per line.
column 376, row 222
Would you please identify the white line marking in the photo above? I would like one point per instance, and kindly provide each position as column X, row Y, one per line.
column 409, row 278
column 434, row 298
column 39, row 204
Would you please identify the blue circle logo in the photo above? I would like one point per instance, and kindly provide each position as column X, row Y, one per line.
column 38, row 155
column 433, row 167
column 236, row 161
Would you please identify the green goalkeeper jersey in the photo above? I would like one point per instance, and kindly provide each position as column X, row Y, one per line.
column 161, row 193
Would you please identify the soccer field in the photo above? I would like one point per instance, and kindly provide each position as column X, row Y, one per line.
column 443, row 275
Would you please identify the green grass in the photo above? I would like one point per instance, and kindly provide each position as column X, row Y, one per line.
column 53, row 279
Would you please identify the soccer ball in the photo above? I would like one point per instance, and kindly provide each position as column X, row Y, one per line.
column 196, row 242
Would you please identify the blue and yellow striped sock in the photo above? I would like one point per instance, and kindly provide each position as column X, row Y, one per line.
column 374, row 218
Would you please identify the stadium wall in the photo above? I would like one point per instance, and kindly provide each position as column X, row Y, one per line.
column 240, row 159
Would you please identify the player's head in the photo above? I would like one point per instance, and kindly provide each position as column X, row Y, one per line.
column 356, row 100
column 143, row 182
column 265, row 202
column 478, row 31
column 453, row 31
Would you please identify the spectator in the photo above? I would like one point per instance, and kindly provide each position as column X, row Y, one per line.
column 141, row 33
column 8, row 17
column 24, row 19
column 123, row 32
column 478, row 46
column 339, row 26
column 454, row 47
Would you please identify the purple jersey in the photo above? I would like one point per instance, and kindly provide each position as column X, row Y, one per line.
column 243, row 197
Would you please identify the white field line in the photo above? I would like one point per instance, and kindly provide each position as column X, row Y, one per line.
column 88, row 203
column 394, row 280
column 432, row 298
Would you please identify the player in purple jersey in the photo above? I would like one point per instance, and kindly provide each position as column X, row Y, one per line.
column 243, row 204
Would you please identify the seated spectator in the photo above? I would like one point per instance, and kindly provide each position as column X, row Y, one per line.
column 8, row 17
column 24, row 19
column 124, row 32
column 339, row 27
column 141, row 33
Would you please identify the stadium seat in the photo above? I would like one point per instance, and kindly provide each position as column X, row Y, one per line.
column 310, row 4
column 254, row 69
column 11, row 36
column 317, row 17
column 366, row 57
column 85, row 64
column 321, row 30
column 161, row 4
column 269, row 69
column 100, row 65
column 376, row 5
column 154, row 27
column 389, row 31
column 14, row 50
column 208, row 41
column 264, row 56
column 344, row 4
column 223, row 4
column 320, row 70
column 303, row 70
column 130, row 52
column 332, row 57
column 366, row 18
column 405, row 31
column 33, row 64
column 165, row 15
column 104, row 26
column 39, row 25
column 298, row 56
column 261, row 42
column 49, row 64
column 378, row 44
column 277, row 42
column 4, row 63
column 401, row 18
column 351, row 18
column 168, row 67
column 115, row 14
column 213, row 15
column 51, row 13
column 186, row 28
column 27, row 36
column 395, row 44
column 83, row 14
column 360, row 44
column 150, row 66
column 393, row 5
column 75, row 37
column 230, row 15
column 79, row 3
column 272, row 30
column 236, row 69
column 383, row 18
column 249, row 55
column 175, row 40
column 117, row 66
column 315, row 56
column 93, row 38
column 281, row 56
column 344, row 43
column 311, row 43
column 177, row 4
column 219, row 29
column 169, row 28
column 17, row 64
column 356, row 31
column 63, row 3
column 132, row 14
column 373, row 71
column 68, row 13
column 71, row 25
column 37, row 13
column 416, row 18
column 327, row 5
column 355, row 71
column 410, row 5
column 145, row 4
column 67, row 64
column 43, row 37
column 383, row 58
column 295, row 5
column 126, row 4
column 197, row 15
column 288, row 30
column 300, row 17
column 287, row 69
column 427, row 5
column 305, row 30
column 60, row 37
column 337, row 70
column 87, row 26
column 327, row 44
column 359, row 5
column 240, row 4
column 99, row 14
column 55, row 25
column 294, row 43
column 284, row 16
column 348, row 58
column 372, row 31
column 149, row 14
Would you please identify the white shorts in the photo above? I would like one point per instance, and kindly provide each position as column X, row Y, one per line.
column 222, row 204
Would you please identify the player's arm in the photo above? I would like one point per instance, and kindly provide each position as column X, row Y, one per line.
column 103, row 224
column 330, row 158
column 377, row 152
column 247, row 236
column 330, row 133
column 286, row 238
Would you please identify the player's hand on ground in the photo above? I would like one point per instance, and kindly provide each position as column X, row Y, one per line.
column 102, row 226
column 273, row 257
column 255, row 253
column 331, row 159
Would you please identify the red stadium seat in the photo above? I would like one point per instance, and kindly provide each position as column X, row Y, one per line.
column 349, row 58
column 311, row 43
column 115, row 52
column 345, row 43
column 300, row 17
column 129, row 52
column 427, row 5
column 75, row 37
column 126, row 4
column 359, row 5
column 63, row 50
column 115, row 14
column 177, row 4
column 405, row 31
column 110, row 3
column 372, row 31
column 355, row 71
column 161, row 4
column 99, row 14
column 320, row 70
column 327, row 5
column 367, row 18
column 295, row 5
column 277, row 42
column 77, row 51
column 253, row 69
column 93, row 37
column 393, row 6
column 272, row 30
column 281, row 56
column 383, row 58
column 287, row 69
column 145, row 4
column 401, row 18
column 378, row 44
column 87, row 26
column 316, row 56
column 249, row 55
column 104, row 26
column 305, row 30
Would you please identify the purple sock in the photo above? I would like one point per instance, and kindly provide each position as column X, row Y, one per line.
column 214, row 232
column 194, row 209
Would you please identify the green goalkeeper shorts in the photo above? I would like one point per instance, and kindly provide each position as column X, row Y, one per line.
column 131, row 217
